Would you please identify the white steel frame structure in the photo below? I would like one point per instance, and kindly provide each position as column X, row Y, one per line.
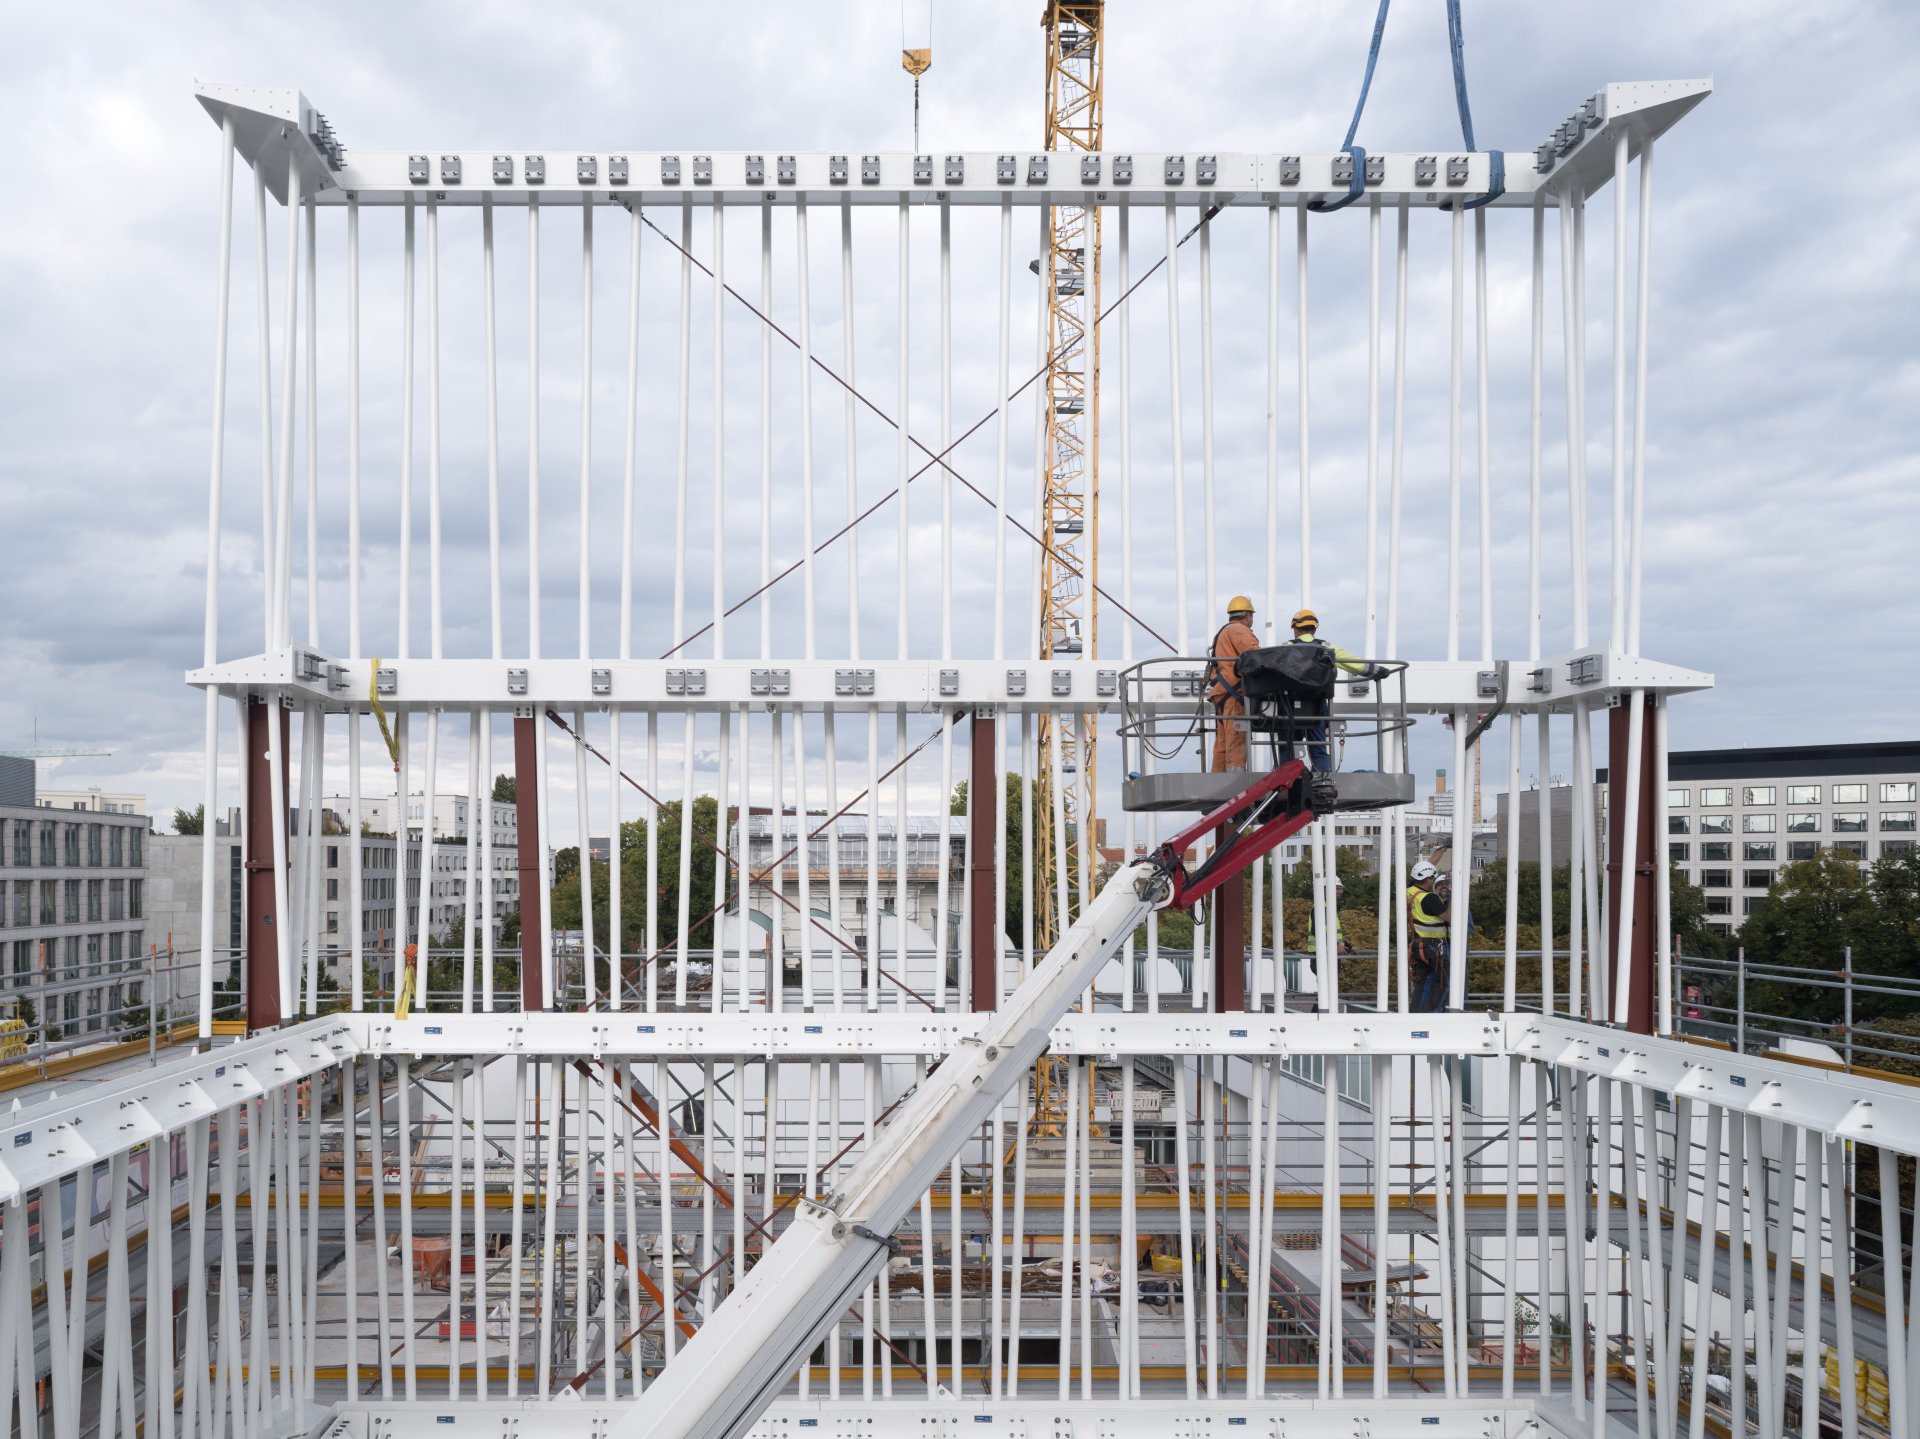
column 590, row 1178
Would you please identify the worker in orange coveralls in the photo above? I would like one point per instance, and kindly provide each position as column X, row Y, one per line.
column 1234, row 639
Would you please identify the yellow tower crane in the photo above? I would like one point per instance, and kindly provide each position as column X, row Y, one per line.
column 1062, row 817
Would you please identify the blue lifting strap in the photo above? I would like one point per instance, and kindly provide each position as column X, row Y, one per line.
column 1496, row 159
column 1357, row 184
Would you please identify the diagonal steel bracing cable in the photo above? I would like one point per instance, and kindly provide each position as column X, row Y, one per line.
column 934, row 459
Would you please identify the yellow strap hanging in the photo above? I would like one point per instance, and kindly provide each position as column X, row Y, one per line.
column 403, row 1001
column 380, row 713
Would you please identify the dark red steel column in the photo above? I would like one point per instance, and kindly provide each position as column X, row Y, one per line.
column 261, row 936
column 1648, row 854
column 983, row 829
column 528, row 839
column 1230, row 938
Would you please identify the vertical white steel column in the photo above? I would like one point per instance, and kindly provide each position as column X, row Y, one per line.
column 263, row 339
column 1177, row 445
column 1001, row 382
column 1396, row 822
column 456, row 1143
column 1634, row 1294
column 210, row 634
column 1180, row 1160
column 1642, row 308
column 1618, row 532
column 946, row 440
column 1711, row 1173
column 1270, row 601
column 533, row 514
column 403, row 1144
column 1304, row 389
column 550, row 1133
column 1210, row 595
column 585, row 561
column 1209, row 1203
column 1895, row 1295
column 289, row 369
column 517, row 1264
column 1069, row 1176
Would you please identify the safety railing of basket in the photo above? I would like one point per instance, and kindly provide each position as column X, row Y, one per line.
column 1166, row 716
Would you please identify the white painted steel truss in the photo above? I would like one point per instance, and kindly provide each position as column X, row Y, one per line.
column 567, row 1194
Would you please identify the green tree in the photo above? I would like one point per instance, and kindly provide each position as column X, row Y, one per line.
column 701, row 900
column 1815, row 909
column 503, row 789
column 190, row 821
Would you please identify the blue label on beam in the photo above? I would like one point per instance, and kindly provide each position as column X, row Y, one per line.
column 24, row 1137
column 815, row 1029
column 434, row 1029
column 644, row 1028
column 1236, row 1034
column 1739, row 1081
column 1423, row 1034
column 1605, row 1053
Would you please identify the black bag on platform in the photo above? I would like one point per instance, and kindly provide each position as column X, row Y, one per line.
column 1290, row 674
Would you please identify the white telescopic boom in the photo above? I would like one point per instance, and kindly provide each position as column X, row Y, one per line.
column 719, row 1384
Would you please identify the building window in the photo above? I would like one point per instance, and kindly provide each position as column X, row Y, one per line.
column 23, row 841
column 133, row 899
column 23, row 901
column 70, row 901
column 1853, row 821
column 1716, row 879
column 1678, row 799
column 1710, row 797
column 1897, row 791
column 1756, row 879
column 1803, row 848
column 48, row 911
column 1679, row 853
column 1716, row 824
column 1891, row 847
column 1720, row 851
column 1759, row 823
column 115, row 852
column 1896, row 819
column 1752, row 905
column 1758, row 794
column 1803, row 794
column 1849, row 794
column 333, row 856
column 1852, row 848
column 46, row 843
column 1803, row 823
column 115, row 950
column 133, row 846
column 333, row 921
column 70, row 844
column 1757, row 849
column 1678, row 824
column 1719, row 904
column 93, row 844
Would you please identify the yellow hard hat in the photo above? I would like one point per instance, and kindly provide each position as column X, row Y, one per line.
column 1239, row 605
column 1305, row 620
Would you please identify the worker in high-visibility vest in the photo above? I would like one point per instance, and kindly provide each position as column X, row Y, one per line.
column 1306, row 627
column 1229, row 701
column 1428, row 907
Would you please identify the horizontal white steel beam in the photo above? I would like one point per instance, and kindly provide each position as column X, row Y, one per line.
column 61, row 1134
column 1284, row 1416
column 1831, row 1101
column 858, row 685
column 272, row 122
column 1098, row 1034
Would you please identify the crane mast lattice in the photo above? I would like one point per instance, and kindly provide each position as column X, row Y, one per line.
column 1069, row 564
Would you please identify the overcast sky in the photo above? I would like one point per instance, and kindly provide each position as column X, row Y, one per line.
column 1785, row 397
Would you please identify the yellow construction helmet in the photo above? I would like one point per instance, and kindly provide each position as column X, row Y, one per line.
column 1239, row 605
column 1305, row 620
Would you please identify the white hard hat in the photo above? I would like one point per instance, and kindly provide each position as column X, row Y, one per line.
column 1423, row 870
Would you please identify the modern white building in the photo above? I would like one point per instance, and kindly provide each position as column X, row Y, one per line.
column 1736, row 815
column 452, row 818
column 74, row 926
column 92, row 799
